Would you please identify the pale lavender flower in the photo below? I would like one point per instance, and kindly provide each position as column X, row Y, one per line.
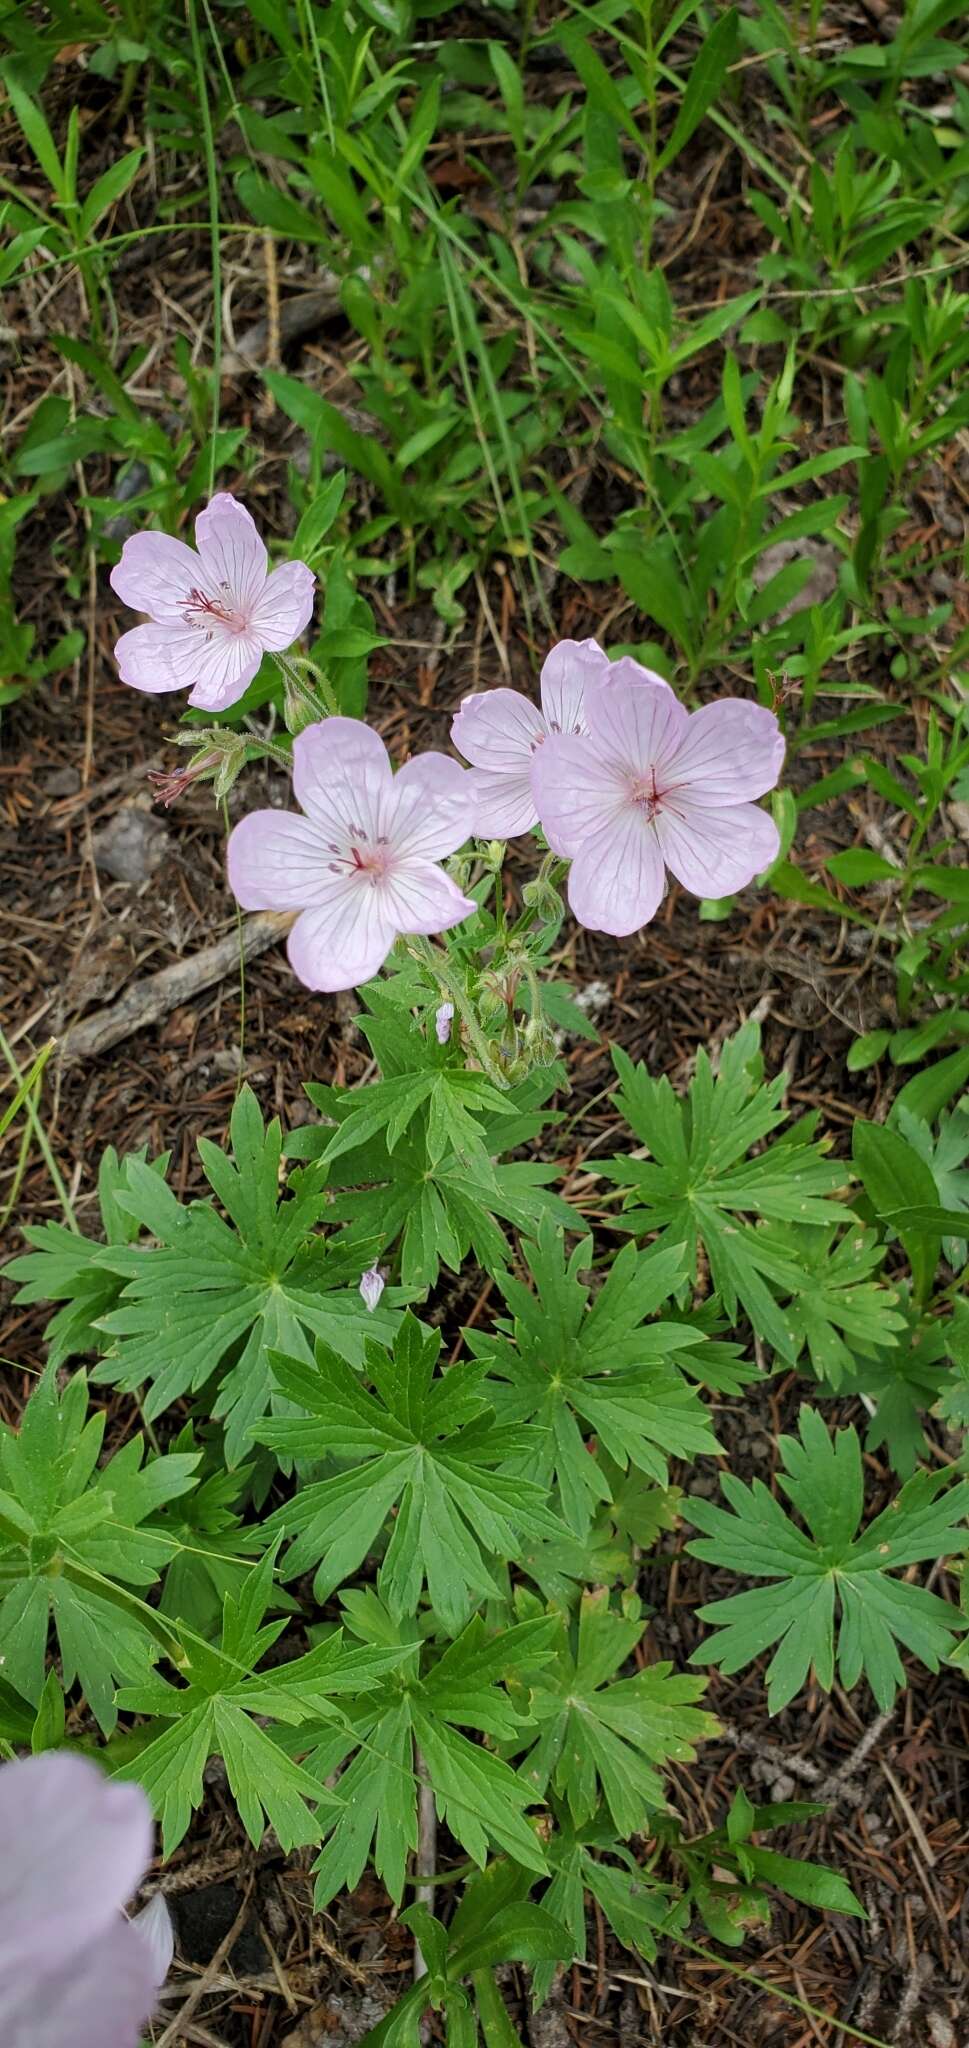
column 214, row 613
column 73, row 1972
column 443, row 1020
column 361, row 865
column 498, row 731
column 651, row 786
column 372, row 1286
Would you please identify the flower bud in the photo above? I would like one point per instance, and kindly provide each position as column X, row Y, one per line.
column 543, row 899
column 541, row 1042
column 443, row 1019
column 371, row 1288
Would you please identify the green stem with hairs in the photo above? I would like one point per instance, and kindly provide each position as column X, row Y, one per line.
column 453, row 988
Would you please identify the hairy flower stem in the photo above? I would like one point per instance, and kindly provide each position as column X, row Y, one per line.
column 319, row 699
column 452, row 987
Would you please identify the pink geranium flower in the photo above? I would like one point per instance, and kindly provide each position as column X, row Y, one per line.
column 73, row 1972
column 361, row 865
column 214, row 613
column 651, row 786
column 498, row 731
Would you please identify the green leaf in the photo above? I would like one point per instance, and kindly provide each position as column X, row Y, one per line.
column 573, row 1369
column 223, row 1708
column 107, row 190
column 478, row 1794
column 864, row 1051
column 605, row 1737
column 215, row 1296
column 927, row 1094
column 37, row 135
column 952, row 884
column 699, row 1186
column 73, row 1540
column 857, row 866
column 830, row 1594
column 898, row 1183
column 706, row 76
column 64, row 1266
column 427, row 1450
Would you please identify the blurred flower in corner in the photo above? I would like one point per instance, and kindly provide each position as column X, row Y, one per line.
column 74, row 1973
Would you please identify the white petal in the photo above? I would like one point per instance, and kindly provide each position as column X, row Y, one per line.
column 278, row 861
column 616, row 880
column 715, row 852
column 144, row 658
column 155, row 575
column 219, row 662
column 73, row 1848
column 344, row 941
column 503, row 806
column 154, row 1927
column 635, row 726
column 342, row 776
column 576, row 790
column 565, row 672
column 422, row 898
column 101, row 1999
column 497, row 730
column 432, row 814
column 285, row 607
column 232, row 552
column 730, row 752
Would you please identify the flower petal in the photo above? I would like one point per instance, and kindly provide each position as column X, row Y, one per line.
column 100, row 1999
column 714, row 852
column 576, row 791
column 75, row 1847
column 344, row 941
column 497, row 730
column 342, row 776
column 155, row 575
column 233, row 554
column 144, row 658
column 627, row 670
column 153, row 1926
column 422, row 898
column 616, row 880
column 729, row 753
column 502, row 805
column 221, row 665
column 278, row 861
column 635, row 725
column 285, row 607
column 565, row 672
column 433, row 812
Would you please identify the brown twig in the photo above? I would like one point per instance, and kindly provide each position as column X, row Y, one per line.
column 146, row 1001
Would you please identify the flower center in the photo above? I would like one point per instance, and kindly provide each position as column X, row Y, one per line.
column 644, row 793
column 364, row 858
column 204, row 612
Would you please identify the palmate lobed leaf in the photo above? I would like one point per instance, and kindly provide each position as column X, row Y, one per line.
column 214, row 1296
column 579, row 1367
column 73, row 1538
column 427, row 1449
column 603, row 1737
column 812, row 1282
column 222, row 1709
column 422, row 1155
column 64, row 1266
column 832, row 1602
column 483, row 1800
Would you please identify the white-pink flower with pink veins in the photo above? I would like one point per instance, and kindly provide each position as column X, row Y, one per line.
column 361, row 865
column 650, row 786
column 500, row 731
column 214, row 609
